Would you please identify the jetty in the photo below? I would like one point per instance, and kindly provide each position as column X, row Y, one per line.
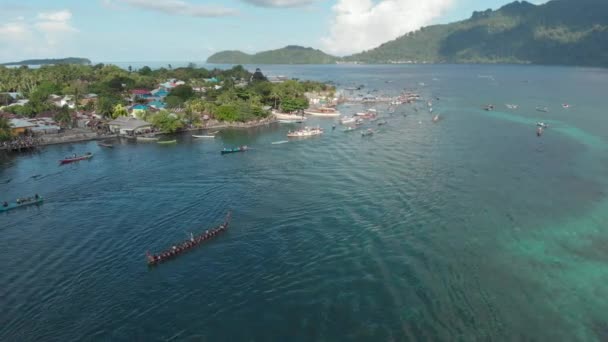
column 194, row 241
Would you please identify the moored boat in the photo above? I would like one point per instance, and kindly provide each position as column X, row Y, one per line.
column 194, row 241
column 102, row 144
column 21, row 202
column 89, row 155
column 203, row 136
column 290, row 121
column 322, row 111
column 235, row 150
column 167, row 142
column 286, row 116
column 147, row 138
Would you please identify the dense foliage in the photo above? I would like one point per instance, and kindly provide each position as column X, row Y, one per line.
column 569, row 32
column 286, row 55
column 5, row 129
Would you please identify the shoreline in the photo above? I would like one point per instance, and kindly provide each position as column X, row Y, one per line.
column 79, row 135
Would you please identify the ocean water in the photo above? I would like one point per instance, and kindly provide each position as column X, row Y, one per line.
column 469, row 229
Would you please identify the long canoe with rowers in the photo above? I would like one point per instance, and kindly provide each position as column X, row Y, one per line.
column 76, row 158
column 194, row 241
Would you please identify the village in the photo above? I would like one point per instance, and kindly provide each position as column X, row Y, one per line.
column 173, row 105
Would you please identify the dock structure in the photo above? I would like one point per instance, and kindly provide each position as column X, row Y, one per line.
column 194, row 241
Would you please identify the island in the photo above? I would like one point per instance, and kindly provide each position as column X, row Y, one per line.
column 291, row 54
column 50, row 61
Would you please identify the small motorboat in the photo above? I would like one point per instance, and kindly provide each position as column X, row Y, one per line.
column 22, row 202
column 234, row 150
column 382, row 123
column 203, row 136
column 347, row 120
column 367, row 133
column 306, row 132
column 542, row 125
column 102, row 144
column 349, row 129
column 565, row 106
column 280, row 142
column 167, row 142
column 436, row 118
column 539, row 131
column 489, row 108
column 89, row 155
column 512, row 106
column 147, row 138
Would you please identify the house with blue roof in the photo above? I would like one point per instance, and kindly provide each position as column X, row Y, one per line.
column 138, row 108
column 160, row 93
column 157, row 104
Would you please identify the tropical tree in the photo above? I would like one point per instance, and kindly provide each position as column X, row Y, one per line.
column 5, row 129
column 184, row 92
column 64, row 117
column 119, row 110
column 167, row 122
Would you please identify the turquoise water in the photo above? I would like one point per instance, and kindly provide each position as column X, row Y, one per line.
column 469, row 229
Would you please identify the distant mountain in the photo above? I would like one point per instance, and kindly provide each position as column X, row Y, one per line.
column 288, row 55
column 69, row 60
column 567, row 32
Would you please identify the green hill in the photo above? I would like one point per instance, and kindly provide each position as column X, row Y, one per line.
column 287, row 55
column 69, row 60
column 568, row 32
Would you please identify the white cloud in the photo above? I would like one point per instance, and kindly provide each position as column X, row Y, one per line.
column 178, row 7
column 280, row 3
column 363, row 24
column 63, row 15
column 48, row 34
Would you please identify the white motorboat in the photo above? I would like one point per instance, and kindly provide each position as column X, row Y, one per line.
column 346, row 120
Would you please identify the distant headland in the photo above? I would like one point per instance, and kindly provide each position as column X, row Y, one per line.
column 559, row 32
column 46, row 61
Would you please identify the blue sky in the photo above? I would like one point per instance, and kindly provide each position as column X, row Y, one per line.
column 191, row 30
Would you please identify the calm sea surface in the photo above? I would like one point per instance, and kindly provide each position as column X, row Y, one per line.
column 469, row 229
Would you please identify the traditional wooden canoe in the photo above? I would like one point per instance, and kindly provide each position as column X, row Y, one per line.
column 71, row 160
column 15, row 205
column 167, row 142
column 194, row 241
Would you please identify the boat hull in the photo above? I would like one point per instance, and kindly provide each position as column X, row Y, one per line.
column 73, row 160
column 15, row 205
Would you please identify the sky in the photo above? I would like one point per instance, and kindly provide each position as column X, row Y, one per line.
column 191, row 30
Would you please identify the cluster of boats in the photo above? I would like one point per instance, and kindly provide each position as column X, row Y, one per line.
column 194, row 241
column 21, row 202
column 305, row 132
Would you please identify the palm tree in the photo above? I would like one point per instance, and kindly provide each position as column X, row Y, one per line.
column 275, row 96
